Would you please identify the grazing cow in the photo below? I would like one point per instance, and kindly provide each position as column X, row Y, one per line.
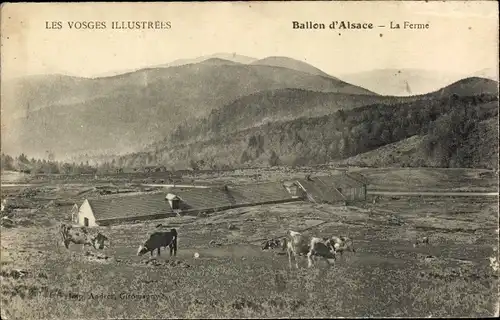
column 323, row 248
column 271, row 244
column 80, row 235
column 298, row 244
column 295, row 244
column 342, row 244
column 421, row 241
column 160, row 239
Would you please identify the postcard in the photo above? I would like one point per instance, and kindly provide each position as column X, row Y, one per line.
column 258, row 159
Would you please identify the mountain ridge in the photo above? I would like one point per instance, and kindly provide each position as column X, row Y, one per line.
column 220, row 55
column 290, row 63
column 396, row 82
column 451, row 124
column 172, row 95
column 204, row 98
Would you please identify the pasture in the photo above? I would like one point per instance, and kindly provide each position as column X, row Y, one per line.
column 233, row 277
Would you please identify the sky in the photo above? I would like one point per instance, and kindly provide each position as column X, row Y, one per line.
column 463, row 36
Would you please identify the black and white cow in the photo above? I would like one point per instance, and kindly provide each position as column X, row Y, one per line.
column 158, row 240
column 298, row 244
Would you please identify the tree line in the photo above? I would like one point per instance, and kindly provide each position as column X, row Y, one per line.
column 22, row 163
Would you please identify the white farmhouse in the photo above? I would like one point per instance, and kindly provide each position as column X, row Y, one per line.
column 104, row 211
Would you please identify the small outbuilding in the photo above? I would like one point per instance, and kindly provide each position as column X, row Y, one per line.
column 174, row 201
column 293, row 189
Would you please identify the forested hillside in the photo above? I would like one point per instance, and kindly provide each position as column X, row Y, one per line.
column 271, row 106
column 453, row 127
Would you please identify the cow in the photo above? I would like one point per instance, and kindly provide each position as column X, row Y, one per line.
column 421, row 241
column 80, row 235
column 271, row 244
column 160, row 239
column 321, row 247
column 341, row 244
column 298, row 244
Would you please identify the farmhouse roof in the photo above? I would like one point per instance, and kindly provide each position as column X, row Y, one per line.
column 320, row 191
column 343, row 181
column 263, row 192
column 214, row 197
column 130, row 206
column 328, row 188
column 358, row 176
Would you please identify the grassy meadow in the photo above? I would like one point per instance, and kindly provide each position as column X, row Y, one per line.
column 233, row 277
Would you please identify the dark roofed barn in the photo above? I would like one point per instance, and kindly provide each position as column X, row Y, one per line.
column 120, row 209
column 357, row 176
column 316, row 191
column 339, row 188
column 225, row 197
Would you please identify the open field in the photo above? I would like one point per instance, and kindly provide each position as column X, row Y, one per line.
column 233, row 277
column 431, row 179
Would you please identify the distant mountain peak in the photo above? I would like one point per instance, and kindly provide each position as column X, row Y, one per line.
column 397, row 81
column 290, row 63
column 232, row 57
column 489, row 73
column 128, row 111
column 218, row 61
column 471, row 86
